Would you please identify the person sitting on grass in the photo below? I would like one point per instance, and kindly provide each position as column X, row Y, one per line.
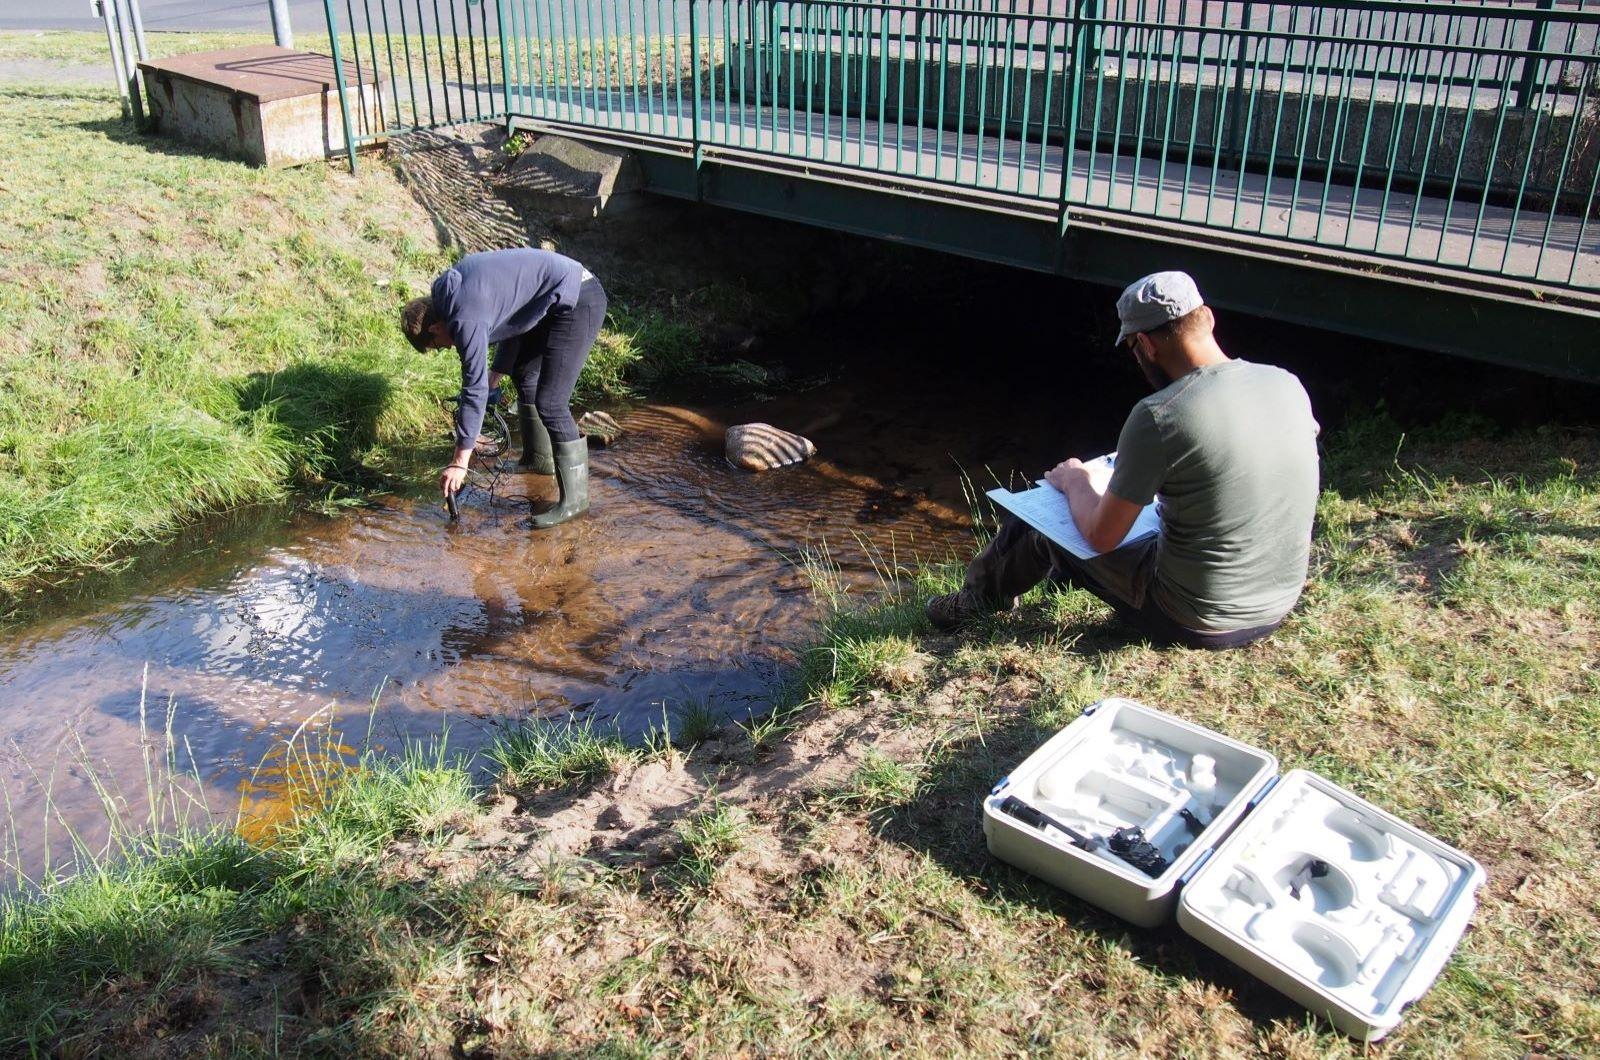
column 1229, row 448
column 543, row 310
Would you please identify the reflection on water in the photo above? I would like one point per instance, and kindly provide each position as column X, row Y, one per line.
column 679, row 586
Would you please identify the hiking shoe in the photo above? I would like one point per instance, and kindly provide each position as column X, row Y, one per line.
column 951, row 611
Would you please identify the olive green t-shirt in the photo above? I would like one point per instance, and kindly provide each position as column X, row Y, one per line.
column 1231, row 451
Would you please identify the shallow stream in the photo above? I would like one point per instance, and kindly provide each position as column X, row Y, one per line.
column 389, row 623
column 680, row 587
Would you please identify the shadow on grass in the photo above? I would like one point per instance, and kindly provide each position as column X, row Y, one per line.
column 1371, row 453
column 124, row 131
column 944, row 821
column 330, row 410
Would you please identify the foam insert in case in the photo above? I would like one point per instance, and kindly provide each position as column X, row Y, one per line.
column 1341, row 906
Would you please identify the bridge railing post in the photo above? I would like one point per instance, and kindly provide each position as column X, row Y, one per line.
column 694, row 60
column 1081, row 45
column 1238, row 136
column 506, row 44
column 1538, row 37
column 338, row 77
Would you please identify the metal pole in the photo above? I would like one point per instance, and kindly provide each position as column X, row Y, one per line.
column 107, row 13
column 338, row 76
column 138, row 28
column 1538, row 37
column 282, row 32
column 506, row 44
column 694, row 117
column 135, row 97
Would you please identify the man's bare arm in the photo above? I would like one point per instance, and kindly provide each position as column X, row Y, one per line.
column 1103, row 519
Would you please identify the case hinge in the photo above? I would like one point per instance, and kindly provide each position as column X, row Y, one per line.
column 1255, row 800
column 1192, row 869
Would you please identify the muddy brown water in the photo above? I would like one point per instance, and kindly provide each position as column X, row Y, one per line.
column 389, row 624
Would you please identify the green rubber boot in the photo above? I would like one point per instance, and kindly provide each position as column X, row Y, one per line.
column 572, row 475
column 536, row 456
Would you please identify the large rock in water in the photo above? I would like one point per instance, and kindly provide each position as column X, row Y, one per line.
column 599, row 428
column 763, row 447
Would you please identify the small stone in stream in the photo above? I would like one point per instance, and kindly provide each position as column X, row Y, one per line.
column 599, row 428
column 763, row 447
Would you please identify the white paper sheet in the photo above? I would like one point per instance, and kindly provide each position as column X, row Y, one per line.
column 1045, row 509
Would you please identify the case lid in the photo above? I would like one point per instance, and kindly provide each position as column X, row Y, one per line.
column 1333, row 900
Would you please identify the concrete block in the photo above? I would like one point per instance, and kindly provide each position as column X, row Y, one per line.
column 266, row 105
column 567, row 178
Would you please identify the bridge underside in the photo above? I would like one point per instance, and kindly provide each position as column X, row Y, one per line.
column 1371, row 294
column 1422, row 173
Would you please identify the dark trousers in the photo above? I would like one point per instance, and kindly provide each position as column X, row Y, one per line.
column 544, row 363
column 1020, row 557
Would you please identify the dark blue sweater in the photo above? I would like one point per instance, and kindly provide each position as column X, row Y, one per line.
column 493, row 296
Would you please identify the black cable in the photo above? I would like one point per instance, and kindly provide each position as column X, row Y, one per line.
column 1129, row 844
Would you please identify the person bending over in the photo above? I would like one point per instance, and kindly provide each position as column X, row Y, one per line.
column 541, row 311
column 1228, row 447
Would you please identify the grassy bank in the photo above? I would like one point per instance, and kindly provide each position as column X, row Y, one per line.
column 89, row 48
column 186, row 334
column 817, row 882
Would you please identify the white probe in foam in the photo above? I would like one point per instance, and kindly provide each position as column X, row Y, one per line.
column 1203, row 780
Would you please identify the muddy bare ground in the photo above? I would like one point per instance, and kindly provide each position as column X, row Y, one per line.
column 629, row 820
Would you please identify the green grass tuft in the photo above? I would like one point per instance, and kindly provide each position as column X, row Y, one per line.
column 544, row 753
column 348, row 819
column 709, row 838
column 879, row 782
column 695, row 722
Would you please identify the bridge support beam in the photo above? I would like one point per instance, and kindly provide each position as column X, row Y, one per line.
column 1487, row 324
column 1491, row 321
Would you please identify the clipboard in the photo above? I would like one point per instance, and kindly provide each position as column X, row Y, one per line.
column 1045, row 509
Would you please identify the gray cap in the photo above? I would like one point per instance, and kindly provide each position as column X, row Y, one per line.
column 1157, row 299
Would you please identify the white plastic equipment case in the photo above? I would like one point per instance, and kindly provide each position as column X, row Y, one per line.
column 1343, row 907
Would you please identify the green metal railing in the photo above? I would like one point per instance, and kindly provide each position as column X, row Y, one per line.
column 423, row 63
column 1461, row 136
